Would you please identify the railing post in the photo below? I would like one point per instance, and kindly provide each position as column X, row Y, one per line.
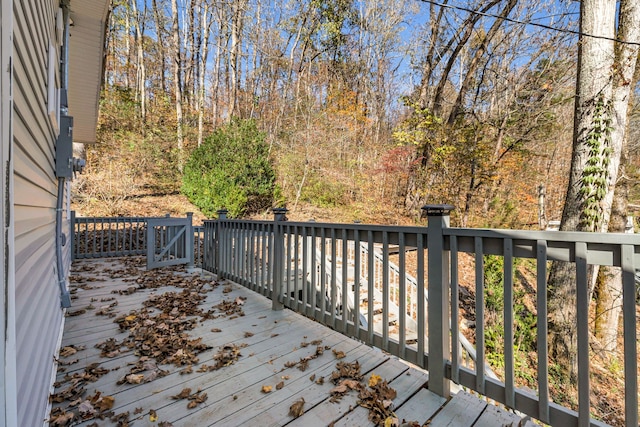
column 439, row 290
column 72, row 235
column 278, row 258
column 217, row 256
column 189, row 243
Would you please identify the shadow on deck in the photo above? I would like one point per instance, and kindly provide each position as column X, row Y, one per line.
column 165, row 348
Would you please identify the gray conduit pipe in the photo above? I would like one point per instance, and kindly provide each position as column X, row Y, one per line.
column 65, row 297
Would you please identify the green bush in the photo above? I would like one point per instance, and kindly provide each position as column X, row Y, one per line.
column 231, row 170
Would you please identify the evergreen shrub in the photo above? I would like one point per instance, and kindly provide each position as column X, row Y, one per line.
column 231, row 170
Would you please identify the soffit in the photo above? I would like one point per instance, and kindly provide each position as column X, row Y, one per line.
column 86, row 45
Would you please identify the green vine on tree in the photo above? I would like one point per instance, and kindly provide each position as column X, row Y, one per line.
column 595, row 174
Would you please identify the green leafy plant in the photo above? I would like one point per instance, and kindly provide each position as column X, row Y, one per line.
column 595, row 174
column 231, row 170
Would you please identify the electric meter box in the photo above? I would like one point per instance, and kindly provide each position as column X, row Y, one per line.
column 64, row 148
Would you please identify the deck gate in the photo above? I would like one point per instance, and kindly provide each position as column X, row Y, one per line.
column 170, row 242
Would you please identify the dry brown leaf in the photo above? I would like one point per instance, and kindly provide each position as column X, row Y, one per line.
column 216, row 330
column 266, row 389
column 135, row 378
column 297, row 409
column 280, row 385
column 86, row 409
column 105, row 403
column 62, row 419
column 339, row 354
column 341, row 389
column 68, row 351
column 248, row 334
column 183, row 394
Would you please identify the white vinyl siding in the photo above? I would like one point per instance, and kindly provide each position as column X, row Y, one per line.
column 38, row 313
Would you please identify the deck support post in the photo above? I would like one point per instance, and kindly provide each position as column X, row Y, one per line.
column 218, row 243
column 279, row 215
column 439, row 298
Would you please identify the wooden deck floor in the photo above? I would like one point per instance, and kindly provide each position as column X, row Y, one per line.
column 122, row 382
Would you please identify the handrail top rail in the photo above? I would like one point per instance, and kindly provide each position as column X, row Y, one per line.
column 497, row 233
column 547, row 235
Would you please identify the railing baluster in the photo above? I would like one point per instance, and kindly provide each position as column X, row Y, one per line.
column 314, row 272
column 253, row 254
column 345, row 282
column 510, row 395
column 455, row 304
column 305, row 271
column 356, row 282
column 385, row 290
column 287, row 261
column 370, row 286
column 582, row 305
column 479, row 314
column 402, row 310
column 630, row 336
column 542, row 333
column 334, row 279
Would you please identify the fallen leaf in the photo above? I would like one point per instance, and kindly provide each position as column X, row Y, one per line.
column 339, row 354
column 135, row 378
column 183, row 394
column 374, row 380
column 216, row 330
column 280, row 385
column 266, row 389
column 62, row 419
column 86, row 409
column 105, row 403
column 153, row 416
column 296, row 409
column 67, row 351
column 390, row 422
column 248, row 334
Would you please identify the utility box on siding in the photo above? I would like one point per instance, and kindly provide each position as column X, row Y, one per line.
column 64, row 148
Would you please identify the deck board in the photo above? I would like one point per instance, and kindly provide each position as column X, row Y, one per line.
column 234, row 392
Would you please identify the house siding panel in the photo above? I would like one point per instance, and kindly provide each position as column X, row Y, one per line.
column 39, row 316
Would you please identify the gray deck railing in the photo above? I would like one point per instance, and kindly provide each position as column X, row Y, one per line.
column 278, row 259
column 101, row 237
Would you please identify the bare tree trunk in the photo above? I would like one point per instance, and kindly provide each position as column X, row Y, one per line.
column 127, row 45
column 160, row 37
column 475, row 62
column 221, row 41
column 468, row 27
column 599, row 132
column 206, row 24
column 609, row 302
column 608, row 287
column 141, row 75
column 177, row 82
column 237, row 20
